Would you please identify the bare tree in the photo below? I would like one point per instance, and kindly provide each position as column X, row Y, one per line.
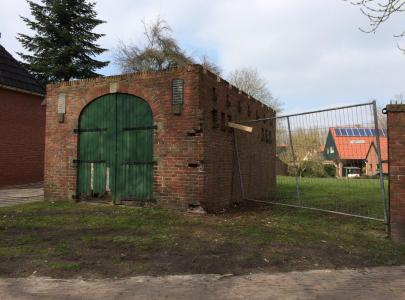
column 209, row 65
column 308, row 152
column 249, row 81
column 398, row 98
column 378, row 12
column 159, row 52
column 382, row 118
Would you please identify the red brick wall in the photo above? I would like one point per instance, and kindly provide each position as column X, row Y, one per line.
column 22, row 129
column 194, row 160
column 257, row 157
column 396, row 156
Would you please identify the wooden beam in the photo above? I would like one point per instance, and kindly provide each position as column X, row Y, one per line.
column 240, row 127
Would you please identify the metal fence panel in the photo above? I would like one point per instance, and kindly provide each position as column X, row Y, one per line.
column 333, row 160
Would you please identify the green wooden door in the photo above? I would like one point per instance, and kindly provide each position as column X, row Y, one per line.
column 116, row 149
column 134, row 143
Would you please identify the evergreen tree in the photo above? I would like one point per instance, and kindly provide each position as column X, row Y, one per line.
column 63, row 45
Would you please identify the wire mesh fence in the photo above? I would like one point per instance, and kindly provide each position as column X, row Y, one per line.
column 333, row 160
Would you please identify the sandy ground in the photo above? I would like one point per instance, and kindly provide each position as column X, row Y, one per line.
column 376, row 283
column 21, row 194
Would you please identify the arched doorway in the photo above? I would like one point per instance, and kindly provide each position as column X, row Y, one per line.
column 115, row 156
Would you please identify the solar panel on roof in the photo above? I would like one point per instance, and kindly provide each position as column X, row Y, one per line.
column 366, row 132
column 384, row 132
column 344, row 132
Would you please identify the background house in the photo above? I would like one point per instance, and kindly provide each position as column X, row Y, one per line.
column 22, row 123
column 353, row 149
column 372, row 167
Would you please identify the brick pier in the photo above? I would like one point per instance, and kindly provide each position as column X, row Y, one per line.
column 396, row 154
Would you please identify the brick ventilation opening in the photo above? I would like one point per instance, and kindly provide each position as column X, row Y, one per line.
column 214, row 117
column 223, row 125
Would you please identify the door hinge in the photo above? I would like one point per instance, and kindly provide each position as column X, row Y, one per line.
column 80, row 130
column 140, row 128
column 82, row 161
column 140, row 162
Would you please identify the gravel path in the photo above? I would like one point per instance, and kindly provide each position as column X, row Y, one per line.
column 376, row 283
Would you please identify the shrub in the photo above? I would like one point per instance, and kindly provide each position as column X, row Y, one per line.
column 330, row 170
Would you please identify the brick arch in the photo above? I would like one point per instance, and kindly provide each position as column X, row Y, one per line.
column 124, row 88
column 87, row 104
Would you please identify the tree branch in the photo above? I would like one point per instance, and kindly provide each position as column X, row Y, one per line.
column 378, row 12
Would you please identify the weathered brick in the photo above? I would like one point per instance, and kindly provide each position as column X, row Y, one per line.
column 396, row 154
column 196, row 162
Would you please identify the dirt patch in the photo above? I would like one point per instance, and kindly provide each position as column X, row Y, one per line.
column 68, row 240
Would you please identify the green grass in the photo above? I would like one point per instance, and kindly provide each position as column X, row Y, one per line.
column 69, row 240
column 354, row 196
column 65, row 266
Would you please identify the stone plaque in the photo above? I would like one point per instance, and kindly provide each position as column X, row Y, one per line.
column 61, row 104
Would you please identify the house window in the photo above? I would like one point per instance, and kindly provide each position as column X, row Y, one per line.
column 331, row 150
column 214, row 95
column 239, row 107
column 263, row 138
column 248, row 111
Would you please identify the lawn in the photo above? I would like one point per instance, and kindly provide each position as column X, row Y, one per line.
column 95, row 241
column 354, row 196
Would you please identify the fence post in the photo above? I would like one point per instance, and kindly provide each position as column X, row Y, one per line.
column 235, row 143
column 294, row 157
column 379, row 160
column 396, row 159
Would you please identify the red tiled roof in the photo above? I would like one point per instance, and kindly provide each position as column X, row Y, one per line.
column 357, row 147
column 372, row 156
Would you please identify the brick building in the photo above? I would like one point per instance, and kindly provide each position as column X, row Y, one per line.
column 157, row 136
column 22, row 124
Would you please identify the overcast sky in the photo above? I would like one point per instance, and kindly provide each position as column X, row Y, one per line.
column 310, row 51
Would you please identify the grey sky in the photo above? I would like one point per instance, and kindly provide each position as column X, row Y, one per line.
column 310, row 51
